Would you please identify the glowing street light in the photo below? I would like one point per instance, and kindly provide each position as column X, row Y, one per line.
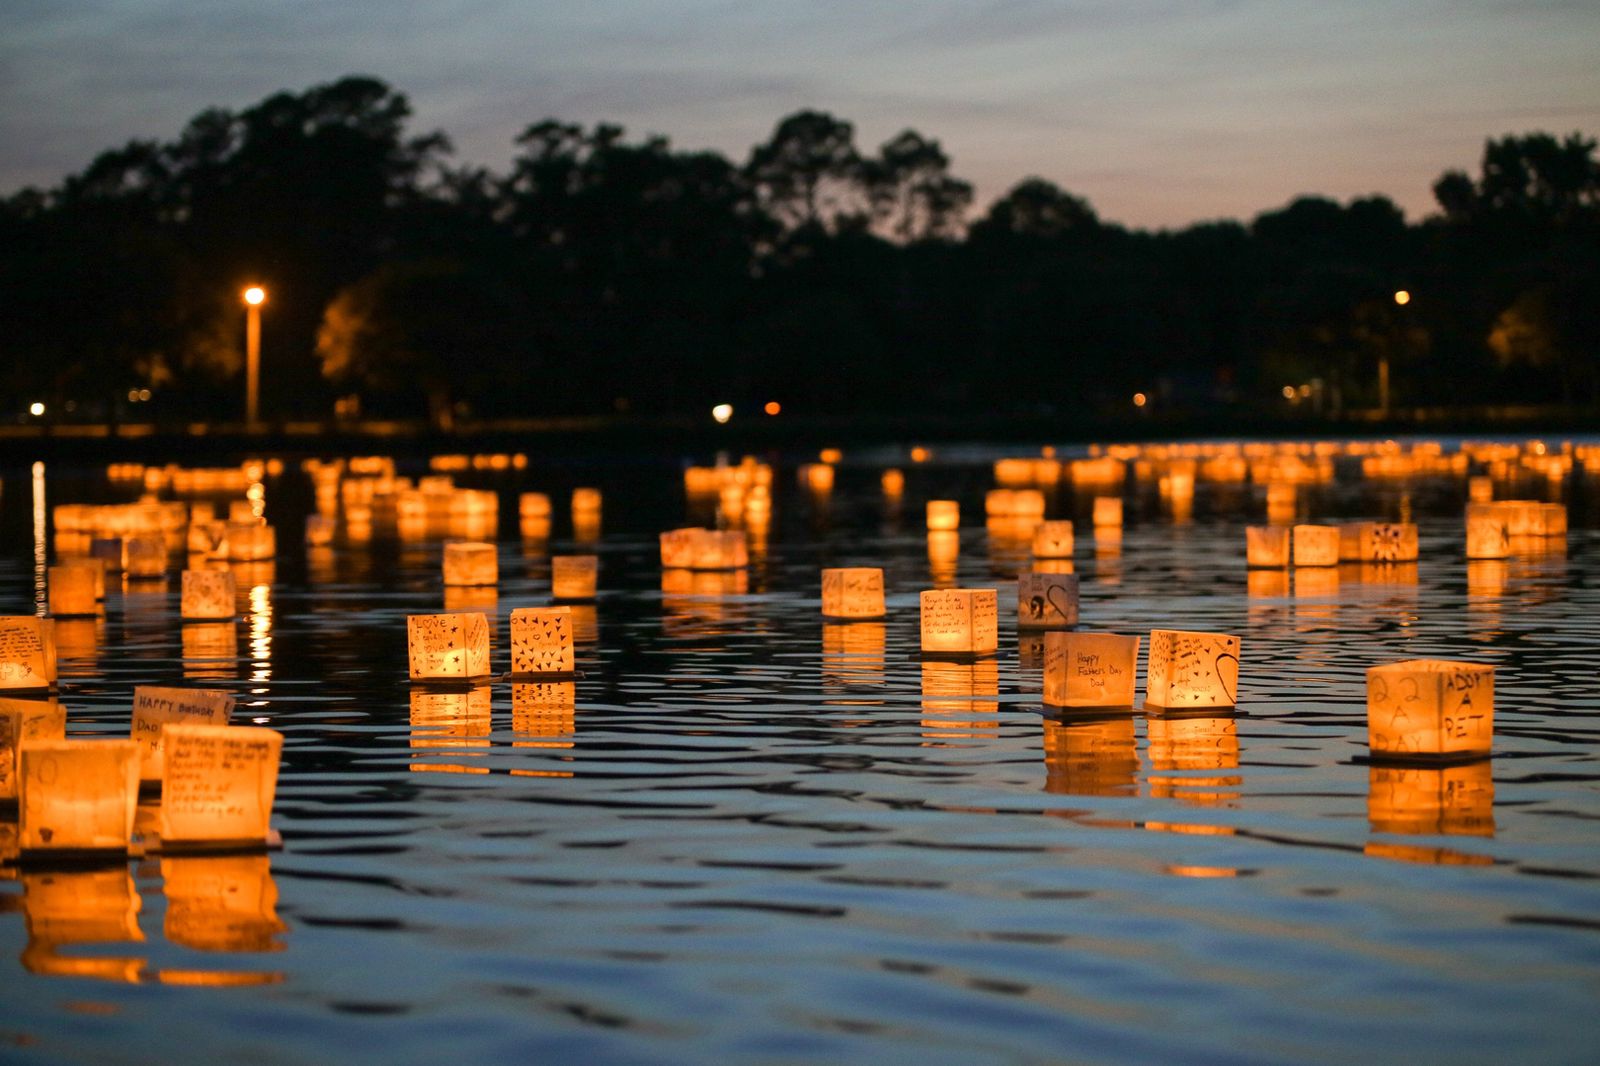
column 254, row 297
column 36, row 409
column 722, row 412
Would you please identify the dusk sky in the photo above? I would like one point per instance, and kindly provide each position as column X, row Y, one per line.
column 1160, row 114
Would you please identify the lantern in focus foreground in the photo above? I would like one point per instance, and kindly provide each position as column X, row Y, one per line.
column 447, row 647
column 27, row 653
column 78, row 795
column 1191, row 670
column 852, row 592
column 1089, row 669
column 1430, row 708
column 1047, row 601
column 541, row 641
column 220, row 783
column 960, row 622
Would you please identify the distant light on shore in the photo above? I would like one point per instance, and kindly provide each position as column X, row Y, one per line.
column 722, row 412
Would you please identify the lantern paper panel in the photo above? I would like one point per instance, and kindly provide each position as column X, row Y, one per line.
column 574, row 577
column 1350, row 537
column 1430, row 800
column 533, row 505
column 72, row 590
column 1053, row 540
column 25, row 722
column 470, row 563
column 146, row 557
column 944, row 515
column 220, row 783
column 1191, row 670
column 1553, row 519
column 155, row 707
column 852, row 592
column 1089, row 669
column 541, row 640
column 1108, row 511
column 1388, row 542
column 1047, row 601
column 1430, row 708
column 1266, row 547
column 1488, row 536
column 78, row 795
column 27, row 653
column 960, row 621
column 447, row 647
column 221, row 903
column 893, row 483
column 209, row 595
column 1316, row 545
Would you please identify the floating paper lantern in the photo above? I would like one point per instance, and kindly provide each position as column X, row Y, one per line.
column 156, row 707
column 1052, row 540
column 73, row 589
column 1316, row 546
column 470, row 563
column 1430, row 708
column 1487, row 534
column 893, row 483
column 533, row 505
column 1553, row 520
column 1350, row 534
column 1480, row 489
column 574, row 577
column 1089, row 669
column 1431, row 800
column 27, row 653
column 208, row 539
column 25, row 722
column 1266, row 547
column 1047, row 601
column 1281, row 501
column 1189, row 670
column 219, row 784
column 960, row 621
column 251, row 542
column 1388, row 542
column 944, row 515
column 816, row 478
column 78, row 795
column 852, row 592
column 447, row 647
column 704, row 549
column 541, row 641
column 586, row 501
column 146, row 557
column 222, row 903
column 208, row 595
column 319, row 530
column 1107, row 512
column 1091, row 758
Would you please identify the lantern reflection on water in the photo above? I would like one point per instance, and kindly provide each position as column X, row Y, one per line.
column 1190, row 670
column 1047, row 601
column 1089, row 669
column 69, row 907
column 77, row 795
column 1186, row 744
column 210, row 649
column 72, row 589
column 1426, row 800
column 25, row 722
column 447, row 647
column 451, row 720
column 1090, row 757
column 541, row 641
column 1107, row 511
column 960, row 699
column 319, row 530
column 154, row 708
column 960, row 621
column 853, row 654
column 852, row 592
column 27, row 653
column 544, row 715
column 221, row 903
column 1422, row 708
column 219, row 783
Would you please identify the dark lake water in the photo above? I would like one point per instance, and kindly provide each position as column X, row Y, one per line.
column 753, row 837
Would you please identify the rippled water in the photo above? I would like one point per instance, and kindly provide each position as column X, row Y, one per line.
column 752, row 836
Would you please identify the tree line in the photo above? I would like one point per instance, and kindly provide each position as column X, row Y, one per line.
column 601, row 273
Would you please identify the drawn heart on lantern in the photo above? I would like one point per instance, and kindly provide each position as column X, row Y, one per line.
column 1057, row 595
column 1223, row 685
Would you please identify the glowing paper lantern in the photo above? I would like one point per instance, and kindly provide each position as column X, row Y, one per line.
column 1430, row 708
column 816, row 478
column 1191, row 670
column 1266, row 547
column 243, row 513
column 146, row 557
column 533, row 505
column 25, row 722
column 27, row 653
column 155, row 707
column 470, row 563
column 541, row 641
column 704, row 549
column 944, row 515
column 319, row 530
column 78, row 795
column 574, row 577
column 248, row 543
column 586, row 501
column 1089, row 669
column 447, row 647
column 1350, row 534
column 1052, row 540
column 219, row 785
column 852, row 592
column 208, row 595
column 1430, row 800
column 1487, row 534
column 893, row 482
column 1480, row 489
column 72, row 590
column 1316, row 546
column 1047, row 601
column 209, row 539
column 1388, row 542
column 1553, row 520
column 960, row 621
column 1107, row 511
column 1280, row 501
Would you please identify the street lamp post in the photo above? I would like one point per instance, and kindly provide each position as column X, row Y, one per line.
column 254, row 297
